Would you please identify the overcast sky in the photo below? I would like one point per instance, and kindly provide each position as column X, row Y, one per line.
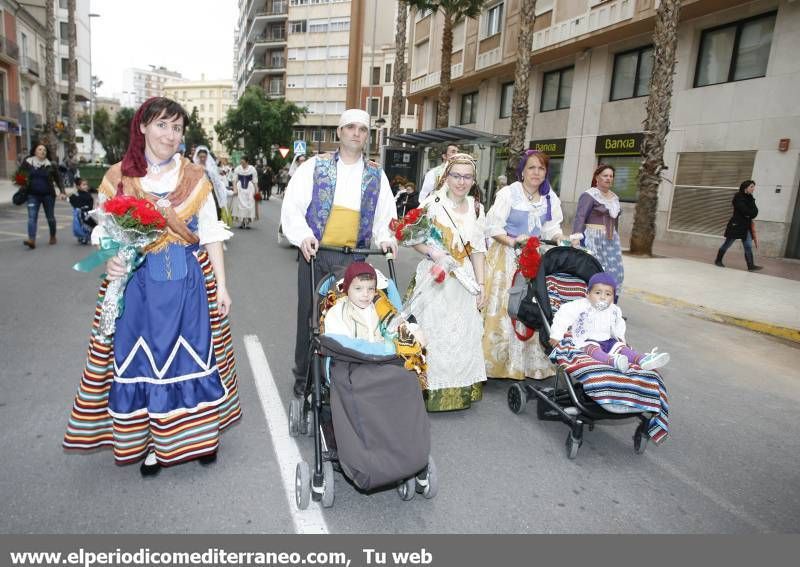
column 188, row 36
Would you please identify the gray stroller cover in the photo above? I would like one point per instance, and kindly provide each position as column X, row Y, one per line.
column 379, row 419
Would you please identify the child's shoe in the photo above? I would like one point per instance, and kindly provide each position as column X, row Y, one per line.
column 653, row 360
column 620, row 362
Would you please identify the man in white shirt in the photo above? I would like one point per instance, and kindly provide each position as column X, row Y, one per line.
column 431, row 179
column 335, row 200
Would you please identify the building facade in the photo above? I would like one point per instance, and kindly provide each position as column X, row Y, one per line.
column 140, row 84
column 82, row 50
column 212, row 99
column 10, row 108
column 110, row 105
column 734, row 115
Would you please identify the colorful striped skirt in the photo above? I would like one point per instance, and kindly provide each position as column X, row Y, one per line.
column 173, row 397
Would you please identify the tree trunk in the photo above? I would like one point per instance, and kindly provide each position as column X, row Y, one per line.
column 71, row 80
column 656, row 126
column 443, row 105
column 522, row 73
column 399, row 77
column 51, row 99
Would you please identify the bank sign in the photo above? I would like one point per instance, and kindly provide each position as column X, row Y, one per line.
column 554, row 147
column 619, row 145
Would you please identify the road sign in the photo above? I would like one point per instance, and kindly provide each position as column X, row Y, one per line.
column 299, row 147
column 284, row 151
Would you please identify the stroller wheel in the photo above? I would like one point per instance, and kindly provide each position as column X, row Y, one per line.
column 327, row 487
column 302, row 485
column 429, row 487
column 407, row 489
column 517, row 398
column 295, row 413
column 309, row 423
column 573, row 445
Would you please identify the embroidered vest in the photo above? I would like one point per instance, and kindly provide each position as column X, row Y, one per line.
column 319, row 210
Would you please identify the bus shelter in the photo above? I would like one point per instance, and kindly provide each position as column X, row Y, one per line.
column 412, row 155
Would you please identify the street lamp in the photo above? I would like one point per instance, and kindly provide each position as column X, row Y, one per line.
column 91, row 91
column 380, row 122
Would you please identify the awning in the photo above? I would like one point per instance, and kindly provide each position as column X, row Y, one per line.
column 454, row 134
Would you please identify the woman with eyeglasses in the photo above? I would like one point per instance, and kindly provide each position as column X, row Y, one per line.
column 528, row 207
column 449, row 313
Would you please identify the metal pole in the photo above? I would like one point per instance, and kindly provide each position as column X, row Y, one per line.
column 91, row 91
column 371, row 67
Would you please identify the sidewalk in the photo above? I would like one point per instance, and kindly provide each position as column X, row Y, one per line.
column 754, row 300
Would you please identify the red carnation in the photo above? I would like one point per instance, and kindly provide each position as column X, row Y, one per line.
column 21, row 179
column 120, row 205
column 530, row 259
column 412, row 216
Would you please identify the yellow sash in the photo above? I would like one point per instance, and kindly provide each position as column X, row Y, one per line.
column 342, row 227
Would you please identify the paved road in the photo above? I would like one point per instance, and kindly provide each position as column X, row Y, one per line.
column 730, row 465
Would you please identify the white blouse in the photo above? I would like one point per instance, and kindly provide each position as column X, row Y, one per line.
column 209, row 227
column 588, row 323
column 467, row 225
column 513, row 197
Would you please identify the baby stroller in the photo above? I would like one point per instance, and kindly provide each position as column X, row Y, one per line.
column 365, row 412
column 584, row 391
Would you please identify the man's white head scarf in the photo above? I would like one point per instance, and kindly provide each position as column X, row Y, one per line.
column 354, row 116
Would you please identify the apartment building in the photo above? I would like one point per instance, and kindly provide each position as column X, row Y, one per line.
column 10, row 109
column 735, row 114
column 260, row 46
column 212, row 99
column 31, row 35
column 82, row 50
column 140, row 84
column 110, row 105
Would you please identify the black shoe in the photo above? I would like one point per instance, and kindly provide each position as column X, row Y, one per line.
column 209, row 459
column 754, row 268
column 149, row 470
column 719, row 263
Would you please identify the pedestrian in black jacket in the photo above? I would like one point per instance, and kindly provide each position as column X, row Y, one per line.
column 740, row 227
column 43, row 178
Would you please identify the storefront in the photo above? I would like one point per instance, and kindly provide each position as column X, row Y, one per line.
column 555, row 149
column 623, row 152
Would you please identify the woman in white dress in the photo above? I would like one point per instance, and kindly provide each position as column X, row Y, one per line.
column 448, row 312
column 244, row 191
column 525, row 208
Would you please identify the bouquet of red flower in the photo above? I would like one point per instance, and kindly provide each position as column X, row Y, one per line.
column 131, row 224
column 20, row 178
column 414, row 228
column 529, row 258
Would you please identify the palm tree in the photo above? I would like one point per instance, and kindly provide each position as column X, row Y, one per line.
column 71, row 79
column 399, row 77
column 51, row 101
column 522, row 73
column 453, row 11
column 656, row 126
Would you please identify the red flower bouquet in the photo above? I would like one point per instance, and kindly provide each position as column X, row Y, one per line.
column 529, row 258
column 130, row 225
column 20, row 178
column 413, row 228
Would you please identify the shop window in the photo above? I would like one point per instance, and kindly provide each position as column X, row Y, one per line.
column 626, row 176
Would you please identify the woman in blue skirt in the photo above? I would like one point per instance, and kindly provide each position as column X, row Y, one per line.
column 163, row 387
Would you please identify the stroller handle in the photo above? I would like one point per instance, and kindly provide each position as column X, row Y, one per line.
column 349, row 250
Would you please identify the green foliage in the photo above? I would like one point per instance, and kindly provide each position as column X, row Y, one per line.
column 456, row 8
column 118, row 138
column 102, row 125
column 195, row 135
column 259, row 122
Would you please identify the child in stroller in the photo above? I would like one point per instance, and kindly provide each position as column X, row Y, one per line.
column 82, row 203
column 363, row 402
column 599, row 329
column 585, row 389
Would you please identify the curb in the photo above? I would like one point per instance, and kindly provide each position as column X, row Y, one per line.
column 778, row 331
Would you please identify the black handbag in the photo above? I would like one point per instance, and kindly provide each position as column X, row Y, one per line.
column 20, row 197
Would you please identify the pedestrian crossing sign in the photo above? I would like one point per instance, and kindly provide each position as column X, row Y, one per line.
column 299, row 147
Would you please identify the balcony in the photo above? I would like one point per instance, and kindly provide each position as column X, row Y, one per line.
column 31, row 120
column 9, row 50
column 433, row 79
column 29, row 66
column 597, row 18
column 9, row 109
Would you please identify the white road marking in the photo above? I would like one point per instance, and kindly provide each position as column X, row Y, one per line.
column 287, row 453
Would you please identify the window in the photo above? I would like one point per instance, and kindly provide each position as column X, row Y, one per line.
column 296, row 54
column 202, row 108
column 315, row 81
column 202, row 94
column 493, row 21
column 419, row 63
column 373, row 106
column 318, row 26
column 385, row 105
column 387, row 76
column 543, row 6
column 317, row 135
column 705, row 183
column 63, row 32
column 299, row 3
column 295, row 81
column 62, row 4
column 469, row 108
column 338, row 51
column 336, row 81
column 411, row 108
column 626, row 176
column 506, row 96
column 556, row 89
column 211, row 108
column 735, row 52
column 64, row 68
column 316, row 53
column 376, row 76
column 340, row 24
column 632, row 71
column 298, row 26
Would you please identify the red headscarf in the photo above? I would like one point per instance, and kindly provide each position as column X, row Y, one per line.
column 134, row 163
